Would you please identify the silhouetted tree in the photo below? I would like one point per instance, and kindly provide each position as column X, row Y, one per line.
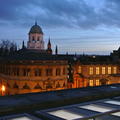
column 7, row 47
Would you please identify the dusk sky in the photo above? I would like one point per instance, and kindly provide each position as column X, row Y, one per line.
column 81, row 26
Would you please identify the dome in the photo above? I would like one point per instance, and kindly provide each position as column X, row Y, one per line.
column 36, row 29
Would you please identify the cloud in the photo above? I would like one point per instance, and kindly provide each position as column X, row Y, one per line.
column 53, row 13
column 59, row 13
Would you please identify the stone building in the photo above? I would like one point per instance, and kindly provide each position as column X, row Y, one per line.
column 36, row 69
column 33, row 68
column 38, row 74
column 95, row 71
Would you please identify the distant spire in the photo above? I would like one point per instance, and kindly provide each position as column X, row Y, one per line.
column 49, row 43
column 23, row 45
column 83, row 53
column 49, row 46
column 56, row 50
column 35, row 22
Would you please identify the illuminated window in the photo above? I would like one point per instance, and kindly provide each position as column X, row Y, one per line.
column 97, row 82
column 114, row 70
column 91, row 70
column 109, row 70
column 91, row 83
column 79, row 69
column 58, row 71
column 97, row 70
column 103, row 70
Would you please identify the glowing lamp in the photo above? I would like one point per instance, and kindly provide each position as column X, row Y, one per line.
column 3, row 88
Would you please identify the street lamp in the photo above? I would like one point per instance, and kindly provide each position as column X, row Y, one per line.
column 3, row 88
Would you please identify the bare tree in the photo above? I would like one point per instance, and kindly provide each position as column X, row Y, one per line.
column 7, row 47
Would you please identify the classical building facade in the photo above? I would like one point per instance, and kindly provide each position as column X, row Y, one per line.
column 25, row 76
column 33, row 68
column 95, row 71
column 36, row 69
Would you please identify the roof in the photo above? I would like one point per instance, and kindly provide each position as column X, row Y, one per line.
column 96, row 59
column 45, row 100
column 36, row 29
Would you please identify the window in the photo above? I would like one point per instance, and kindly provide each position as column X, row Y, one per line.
column 14, row 71
column 97, row 82
column 17, row 71
column 114, row 70
column 26, row 86
column 64, row 71
column 33, row 39
column 91, row 70
column 48, row 86
column 109, row 70
column 58, row 72
column 38, row 38
column 48, row 72
column 26, row 72
column 97, row 70
column 58, row 85
column 91, row 83
column 79, row 69
column 37, row 72
column 37, row 86
column 64, row 85
column 103, row 70
column 15, row 86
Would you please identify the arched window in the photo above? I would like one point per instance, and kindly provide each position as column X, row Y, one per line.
column 26, row 86
column 33, row 39
column 38, row 38
column 15, row 86
column 37, row 86
column 58, row 85
column 48, row 86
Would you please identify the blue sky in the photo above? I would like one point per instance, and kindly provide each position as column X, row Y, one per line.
column 81, row 26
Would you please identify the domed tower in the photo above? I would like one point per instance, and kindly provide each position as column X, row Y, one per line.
column 35, row 38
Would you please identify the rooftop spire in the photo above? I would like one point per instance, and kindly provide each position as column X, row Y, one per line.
column 35, row 22
column 23, row 45
column 49, row 43
column 56, row 50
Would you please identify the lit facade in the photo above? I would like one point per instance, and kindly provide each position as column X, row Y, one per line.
column 33, row 76
column 95, row 74
column 36, row 69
